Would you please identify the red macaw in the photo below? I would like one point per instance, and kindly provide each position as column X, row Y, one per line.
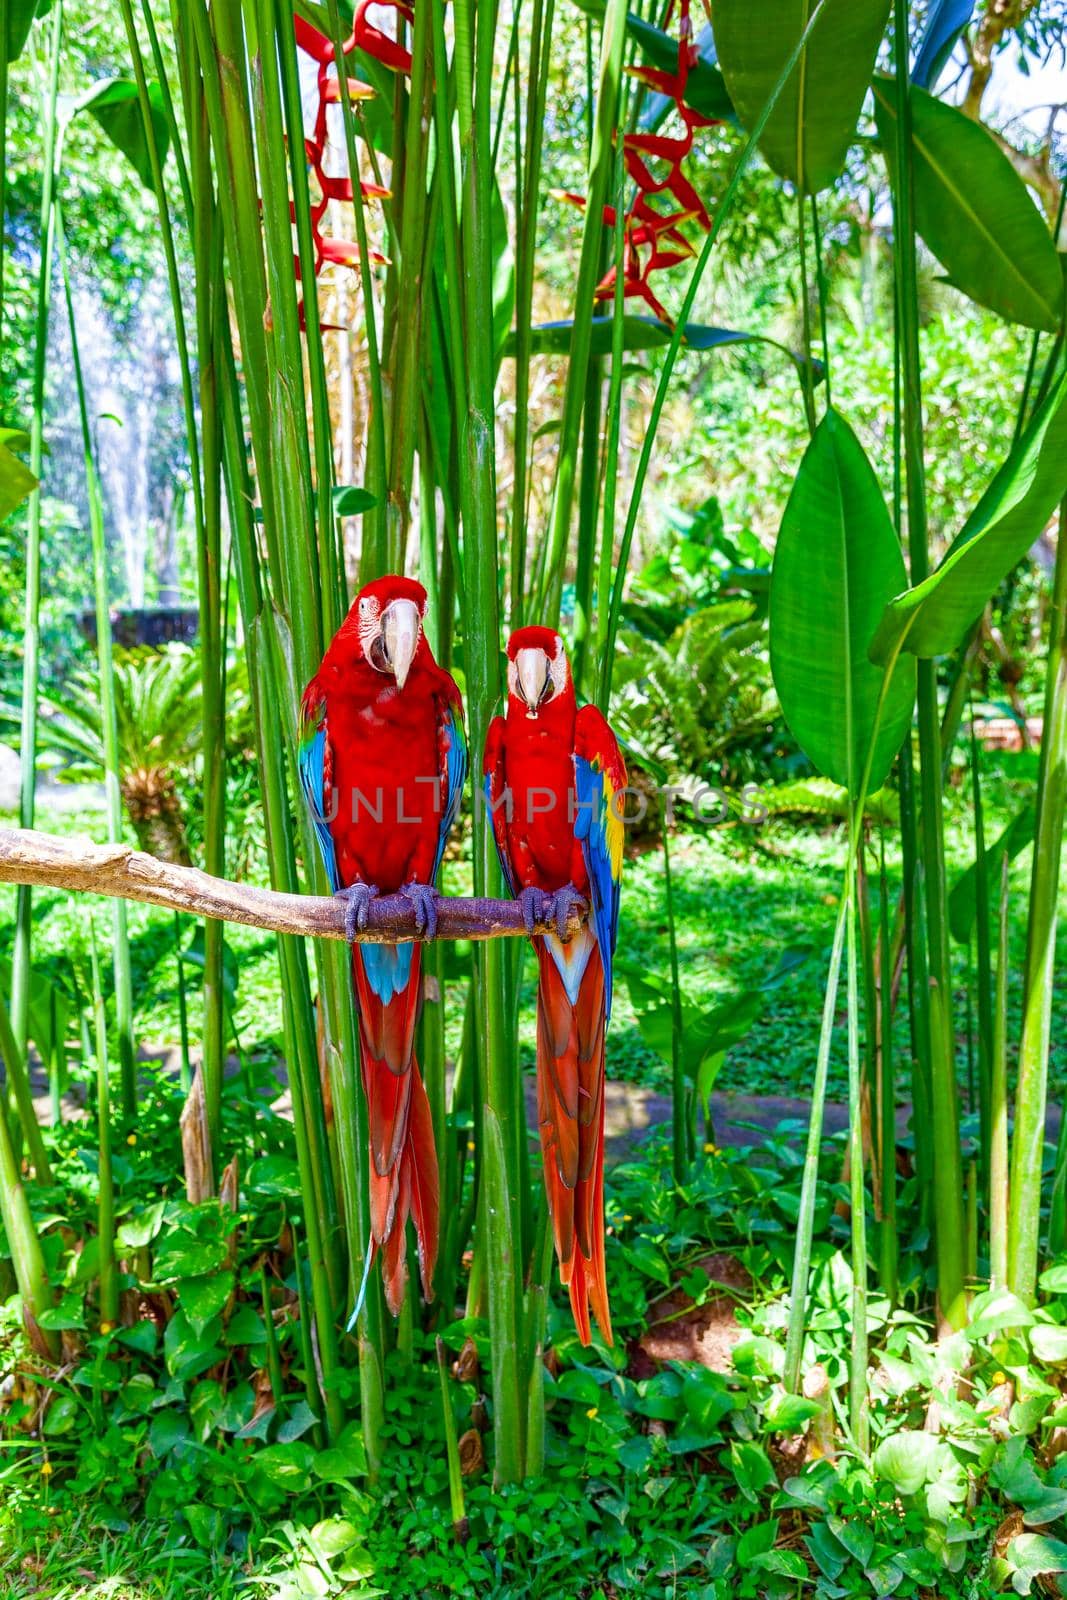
column 383, row 760
column 552, row 775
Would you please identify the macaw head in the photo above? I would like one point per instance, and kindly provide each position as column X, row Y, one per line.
column 388, row 615
column 538, row 670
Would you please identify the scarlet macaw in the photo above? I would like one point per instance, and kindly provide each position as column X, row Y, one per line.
column 383, row 760
column 552, row 775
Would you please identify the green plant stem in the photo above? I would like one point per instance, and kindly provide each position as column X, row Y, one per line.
column 598, row 179
column 105, row 1183
column 31, row 633
column 23, row 1242
column 857, row 1386
column 888, row 1242
column 680, row 1141
column 455, row 1476
column 108, row 715
column 794, row 1343
column 18, row 1081
column 947, row 1164
column 1032, row 1085
column 999, row 1211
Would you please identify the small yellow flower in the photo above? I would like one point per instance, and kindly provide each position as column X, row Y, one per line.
column 591, row 1413
column 627, row 1217
column 999, row 1377
column 711, row 1149
column 106, row 1327
column 131, row 1138
column 46, row 1469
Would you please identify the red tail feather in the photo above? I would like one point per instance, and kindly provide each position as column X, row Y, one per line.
column 403, row 1178
column 570, row 1094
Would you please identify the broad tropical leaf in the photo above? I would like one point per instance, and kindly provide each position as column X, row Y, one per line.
column 17, row 482
column 974, row 211
column 932, row 618
column 20, row 15
column 811, row 127
column 836, row 563
column 115, row 106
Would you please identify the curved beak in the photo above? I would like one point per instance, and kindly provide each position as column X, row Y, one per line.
column 535, row 681
column 400, row 636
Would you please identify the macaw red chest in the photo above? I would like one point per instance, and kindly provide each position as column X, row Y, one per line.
column 541, row 804
column 387, row 794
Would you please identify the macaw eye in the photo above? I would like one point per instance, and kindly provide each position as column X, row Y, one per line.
column 364, row 607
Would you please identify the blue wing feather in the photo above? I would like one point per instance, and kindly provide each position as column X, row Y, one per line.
column 311, row 761
column 593, row 819
column 455, row 776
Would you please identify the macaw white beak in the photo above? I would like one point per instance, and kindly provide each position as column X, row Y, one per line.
column 400, row 636
column 532, row 671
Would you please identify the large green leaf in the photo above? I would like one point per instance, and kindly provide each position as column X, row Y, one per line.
column 17, row 482
column 810, row 129
column 932, row 618
column 114, row 105
column 20, row 15
column 836, row 564
column 974, row 211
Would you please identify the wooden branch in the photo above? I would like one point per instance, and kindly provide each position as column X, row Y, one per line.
column 121, row 873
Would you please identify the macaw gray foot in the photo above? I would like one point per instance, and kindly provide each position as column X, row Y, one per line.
column 423, row 897
column 534, row 904
column 539, row 907
column 356, row 899
column 562, row 906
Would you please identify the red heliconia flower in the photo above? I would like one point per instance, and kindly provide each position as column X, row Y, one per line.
column 378, row 44
column 653, row 240
column 387, row 51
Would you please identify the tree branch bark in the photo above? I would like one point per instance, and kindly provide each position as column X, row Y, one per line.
column 1001, row 17
column 121, row 873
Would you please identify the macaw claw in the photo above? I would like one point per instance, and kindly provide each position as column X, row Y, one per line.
column 423, row 897
column 538, row 906
column 563, row 905
column 356, row 898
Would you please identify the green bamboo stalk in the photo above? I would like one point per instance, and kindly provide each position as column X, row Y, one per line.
column 857, row 1386
column 947, row 1166
column 681, row 1144
column 529, row 188
column 1032, row 1084
column 18, row 1080
column 794, row 1343
column 375, row 549
column 499, row 1227
column 455, row 1476
column 274, row 1359
column 408, row 341
column 889, row 1245
column 108, row 716
column 984, row 955
column 23, row 1242
column 204, row 473
column 105, row 1211
column 998, row 1133
column 611, row 462
column 598, row 182
column 31, row 633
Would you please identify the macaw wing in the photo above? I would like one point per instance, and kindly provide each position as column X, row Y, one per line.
column 452, row 748
column 599, row 776
column 494, row 785
column 314, row 761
